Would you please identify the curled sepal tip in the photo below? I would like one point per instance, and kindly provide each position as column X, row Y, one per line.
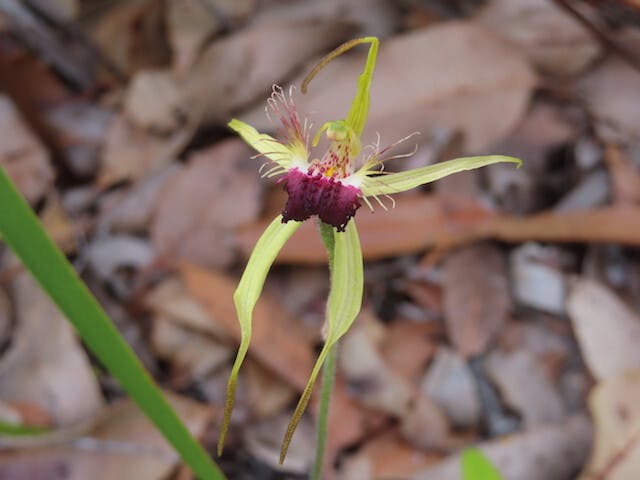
column 402, row 181
column 245, row 298
column 345, row 300
column 357, row 116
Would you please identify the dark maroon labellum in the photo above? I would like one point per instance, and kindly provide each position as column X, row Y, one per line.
column 320, row 195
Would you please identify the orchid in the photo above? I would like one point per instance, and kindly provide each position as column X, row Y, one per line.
column 332, row 187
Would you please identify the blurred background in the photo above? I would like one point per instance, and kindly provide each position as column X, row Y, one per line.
column 501, row 305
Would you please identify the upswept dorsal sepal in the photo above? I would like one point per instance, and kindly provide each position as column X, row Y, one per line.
column 357, row 116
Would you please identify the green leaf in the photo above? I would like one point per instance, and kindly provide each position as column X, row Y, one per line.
column 16, row 429
column 343, row 306
column 402, row 181
column 25, row 235
column 246, row 296
column 476, row 466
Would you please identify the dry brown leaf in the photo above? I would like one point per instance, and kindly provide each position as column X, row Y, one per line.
column 111, row 256
column 376, row 385
column 372, row 17
column 450, row 382
column 611, row 93
column 476, row 297
column 22, row 155
column 347, row 420
column 132, row 34
column 547, row 452
column 45, row 364
column 78, row 128
column 425, row 80
column 267, row 395
column 545, row 129
column 191, row 355
column 191, row 23
column 59, row 226
column 130, row 209
column 407, row 347
column 123, row 445
column 524, row 386
column 241, row 67
column 263, row 438
column 372, row 382
column 614, row 405
column 171, row 299
column 386, row 456
column 553, row 40
column 607, row 330
column 131, row 153
column 66, row 9
column 275, row 341
column 625, row 178
column 536, row 277
column 143, row 107
column 217, row 191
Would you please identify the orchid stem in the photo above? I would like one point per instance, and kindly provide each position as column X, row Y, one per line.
column 327, row 233
column 328, row 377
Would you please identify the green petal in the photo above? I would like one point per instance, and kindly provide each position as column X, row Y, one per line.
column 246, row 296
column 345, row 301
column 402, row 181
column 476, row 466
column 281, row 154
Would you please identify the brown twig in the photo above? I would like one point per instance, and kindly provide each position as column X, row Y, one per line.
column 77, row 35
column 599, row 33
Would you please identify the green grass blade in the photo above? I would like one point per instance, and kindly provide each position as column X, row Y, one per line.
column 16, row 429
column 24, row 234
column 476, row 466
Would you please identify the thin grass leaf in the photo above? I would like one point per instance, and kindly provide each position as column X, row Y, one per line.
column 19, row 430
column 25, row 235
column 476, row 466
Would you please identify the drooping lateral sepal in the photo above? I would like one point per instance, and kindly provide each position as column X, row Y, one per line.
column 402, row 181
column 245, row 299
column 343, row 306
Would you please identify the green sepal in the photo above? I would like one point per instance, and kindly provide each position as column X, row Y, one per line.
column 357, row 116
column 283, row 155
column 402, row 181
column 476, row 466
column 343, row 306
column 245, row 298
column 359, row 111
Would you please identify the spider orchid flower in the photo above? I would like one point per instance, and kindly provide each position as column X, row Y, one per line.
column 332, row 188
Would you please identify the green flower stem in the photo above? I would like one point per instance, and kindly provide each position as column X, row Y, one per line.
column 328, row 377
column 328, row 374
column 23, row 233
